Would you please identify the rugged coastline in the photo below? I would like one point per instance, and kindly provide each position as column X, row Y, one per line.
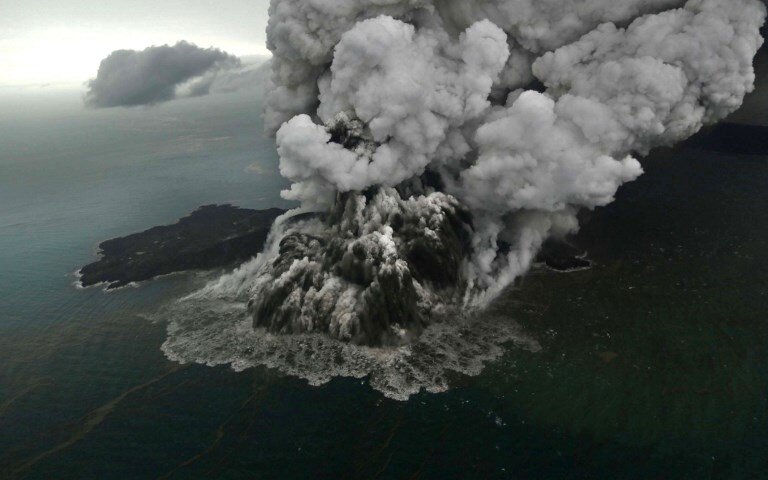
column 213, row 236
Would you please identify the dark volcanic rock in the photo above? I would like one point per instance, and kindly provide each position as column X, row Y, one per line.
column 213, row 236
column 563, row 257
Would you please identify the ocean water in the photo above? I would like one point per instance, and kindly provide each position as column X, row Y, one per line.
column 653, row 364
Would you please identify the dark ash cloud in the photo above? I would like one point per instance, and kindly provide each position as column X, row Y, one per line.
column 156, row 74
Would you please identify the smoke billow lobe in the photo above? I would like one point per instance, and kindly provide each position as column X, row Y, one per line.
column 156, row 74
column 412, row 127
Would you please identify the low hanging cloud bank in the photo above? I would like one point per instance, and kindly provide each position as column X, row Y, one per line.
column 442, row 142
column 157, row 74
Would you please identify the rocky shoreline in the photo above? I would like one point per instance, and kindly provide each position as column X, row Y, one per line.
column 213, row 236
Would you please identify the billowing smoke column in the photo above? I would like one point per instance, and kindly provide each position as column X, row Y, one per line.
column 442, row 141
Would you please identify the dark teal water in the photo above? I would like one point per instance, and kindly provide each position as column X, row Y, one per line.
column 654, row 363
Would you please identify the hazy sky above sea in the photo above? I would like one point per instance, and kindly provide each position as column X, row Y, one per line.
column 62, row 42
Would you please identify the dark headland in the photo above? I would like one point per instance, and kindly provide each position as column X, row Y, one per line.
column 732, row 139
column 213, row 236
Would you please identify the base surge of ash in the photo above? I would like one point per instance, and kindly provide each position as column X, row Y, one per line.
column 213, row 330
column 374, row 287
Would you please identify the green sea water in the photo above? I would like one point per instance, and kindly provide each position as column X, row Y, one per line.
column 654, row 363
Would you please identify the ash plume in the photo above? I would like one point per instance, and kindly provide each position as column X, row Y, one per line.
column 157, row 74
column 434, row 145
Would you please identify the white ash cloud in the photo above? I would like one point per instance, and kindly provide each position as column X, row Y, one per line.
column 412, row 90
column 425, row 77
column 162, row 73
column 302, row 35
column 474, row 129
column 545, row 25
column 614, row 92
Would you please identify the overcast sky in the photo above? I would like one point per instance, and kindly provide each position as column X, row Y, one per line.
column 63, row 41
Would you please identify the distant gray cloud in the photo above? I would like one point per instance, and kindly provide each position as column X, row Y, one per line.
column 157, row 74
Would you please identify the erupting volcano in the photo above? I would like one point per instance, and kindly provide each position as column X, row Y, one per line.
column 434, row 146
